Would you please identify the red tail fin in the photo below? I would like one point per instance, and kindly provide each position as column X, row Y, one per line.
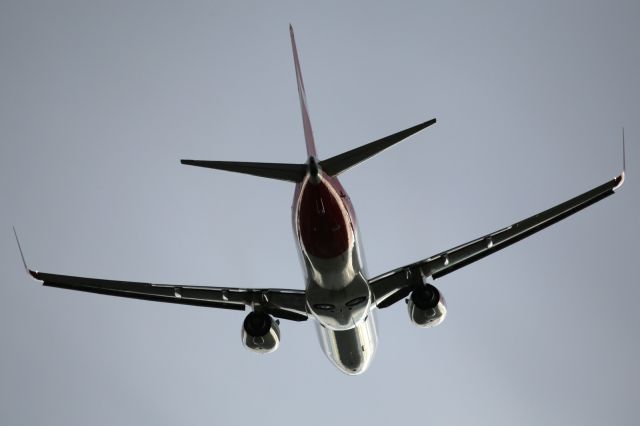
column 306, row 123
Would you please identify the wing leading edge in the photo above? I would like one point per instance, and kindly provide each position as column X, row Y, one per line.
column 395, row 285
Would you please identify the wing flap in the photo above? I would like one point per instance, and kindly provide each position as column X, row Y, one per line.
column 132, row 290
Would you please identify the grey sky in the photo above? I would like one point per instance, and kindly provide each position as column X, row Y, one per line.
column 100, row 100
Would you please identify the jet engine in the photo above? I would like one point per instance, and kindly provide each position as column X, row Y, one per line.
column 260, row 333
column 426, row 306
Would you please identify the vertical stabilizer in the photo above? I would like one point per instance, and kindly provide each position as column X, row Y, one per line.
column 306, row 123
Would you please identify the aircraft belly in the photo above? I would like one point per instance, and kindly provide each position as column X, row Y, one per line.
column 350, row 350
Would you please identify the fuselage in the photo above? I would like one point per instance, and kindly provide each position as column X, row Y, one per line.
column 337, row 291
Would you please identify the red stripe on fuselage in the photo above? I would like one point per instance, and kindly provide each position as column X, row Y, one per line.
column 324, row 223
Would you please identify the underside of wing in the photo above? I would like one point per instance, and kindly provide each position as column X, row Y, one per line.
column 281, row 303
column 394, row 285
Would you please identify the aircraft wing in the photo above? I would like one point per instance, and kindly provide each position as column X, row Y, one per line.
column 395, row 285
column 285, row 304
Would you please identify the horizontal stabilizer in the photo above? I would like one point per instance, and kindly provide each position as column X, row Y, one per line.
column 281, row 171
column 338, row 164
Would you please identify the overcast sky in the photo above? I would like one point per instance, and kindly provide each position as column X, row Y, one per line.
column 100, row 100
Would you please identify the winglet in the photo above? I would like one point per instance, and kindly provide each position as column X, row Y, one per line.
column 34, row 274
column 620, row 178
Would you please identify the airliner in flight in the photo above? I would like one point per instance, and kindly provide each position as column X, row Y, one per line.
column 339, row 295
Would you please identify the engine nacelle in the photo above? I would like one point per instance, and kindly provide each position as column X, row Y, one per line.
column 427, row 307
column 260, row 333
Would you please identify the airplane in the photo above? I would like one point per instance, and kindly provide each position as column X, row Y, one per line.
column 338, row 294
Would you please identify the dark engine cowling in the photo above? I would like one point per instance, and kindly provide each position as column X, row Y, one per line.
column 426, row 306
column 260, row 333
